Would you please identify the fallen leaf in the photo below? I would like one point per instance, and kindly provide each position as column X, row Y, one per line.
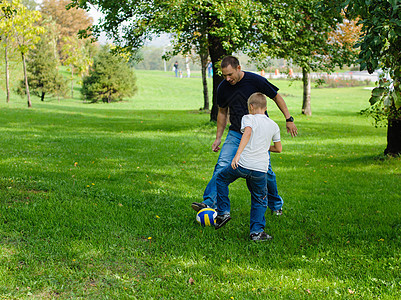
column 191, row 281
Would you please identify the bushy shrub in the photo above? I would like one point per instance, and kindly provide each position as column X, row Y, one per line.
column 330, row 82
column 110, row 78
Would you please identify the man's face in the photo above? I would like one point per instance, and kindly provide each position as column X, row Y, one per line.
column 232, row 75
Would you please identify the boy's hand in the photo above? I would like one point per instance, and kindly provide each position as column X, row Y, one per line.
column 234, row 163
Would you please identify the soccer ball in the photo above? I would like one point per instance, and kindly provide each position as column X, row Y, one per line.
column 206, row 216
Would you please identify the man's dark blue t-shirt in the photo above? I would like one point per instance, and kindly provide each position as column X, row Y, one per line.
column 235, row 97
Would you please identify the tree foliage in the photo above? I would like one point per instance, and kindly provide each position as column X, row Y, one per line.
column 297, row 31
column 69, row 22
column 42, row 67
column 25, row 32
column 219, row 27
column 380, row 46
column 110, row 78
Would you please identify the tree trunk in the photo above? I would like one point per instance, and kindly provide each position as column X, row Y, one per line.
column 393, row 137
column 72, row 82
column 306, row 78
column 203, row 58
column 42, row 96
column 26, row 80
column 7, row 74
column 187, row 66
column 217, row 52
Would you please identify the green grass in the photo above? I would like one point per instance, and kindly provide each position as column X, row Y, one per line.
column 95, row 201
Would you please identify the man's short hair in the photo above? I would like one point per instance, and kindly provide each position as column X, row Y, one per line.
column 258, row 100
column 229, row 61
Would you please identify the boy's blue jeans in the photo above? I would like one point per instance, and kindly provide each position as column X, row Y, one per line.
column 256, row 182
column 227, row 153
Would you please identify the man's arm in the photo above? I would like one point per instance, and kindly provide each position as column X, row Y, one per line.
column 291, row 128
column 222, row 118
column 244, row 141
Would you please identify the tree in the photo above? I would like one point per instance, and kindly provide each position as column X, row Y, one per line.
column 110, row 78
column 76, row 55
column 7, row 11
column 303, row 35
column 26, row 33
column 225, row 25
column 30, row 4
column 69, row 22
column 43, row 74
column 380, row 46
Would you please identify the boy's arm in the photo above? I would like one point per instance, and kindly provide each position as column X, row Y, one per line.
column 277, row 147
column 244, row 141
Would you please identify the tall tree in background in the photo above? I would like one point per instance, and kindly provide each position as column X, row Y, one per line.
column 69, row 22
column 7, row 11
column 76, row 55
column 302, row 35
column 26, row 33
column 42, row 67
column 380, row 46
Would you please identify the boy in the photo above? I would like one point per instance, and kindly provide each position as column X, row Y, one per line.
column 250, row 162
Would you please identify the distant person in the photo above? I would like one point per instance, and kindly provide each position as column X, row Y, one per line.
column 251, row 162
column 210, row 69
column 175, row 68
column 233, row 94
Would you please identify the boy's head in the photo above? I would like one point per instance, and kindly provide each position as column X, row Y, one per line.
column 257, row 102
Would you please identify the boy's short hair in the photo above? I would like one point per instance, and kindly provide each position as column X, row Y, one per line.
column 229, row 61
column 258, row 100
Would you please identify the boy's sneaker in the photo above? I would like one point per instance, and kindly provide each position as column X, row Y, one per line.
column 278, row 212
column 260, row 236
column 221, row 220
column 197, row 206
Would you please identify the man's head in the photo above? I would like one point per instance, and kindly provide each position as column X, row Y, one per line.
column 231, row 69
column 257, row 102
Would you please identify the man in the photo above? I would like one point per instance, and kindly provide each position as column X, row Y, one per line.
column 232, row 97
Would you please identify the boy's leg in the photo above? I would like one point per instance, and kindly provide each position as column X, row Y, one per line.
column 275, row 202
column 256, row 183
column 226, row 156
column 224, row 178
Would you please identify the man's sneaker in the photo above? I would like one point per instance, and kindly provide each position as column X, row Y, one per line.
column 278, row 212
column 260, row 236
column 221, row 220
column 197, row 206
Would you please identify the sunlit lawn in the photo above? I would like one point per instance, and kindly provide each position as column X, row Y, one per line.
column 95, row 201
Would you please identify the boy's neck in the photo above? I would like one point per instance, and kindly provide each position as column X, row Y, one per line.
column 258, row 111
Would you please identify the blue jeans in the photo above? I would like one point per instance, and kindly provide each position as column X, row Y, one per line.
column 257, row 185
column 227, row 153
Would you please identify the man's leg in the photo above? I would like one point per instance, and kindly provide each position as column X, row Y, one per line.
column 256, row 183
column 275, row 202
column 226, row 156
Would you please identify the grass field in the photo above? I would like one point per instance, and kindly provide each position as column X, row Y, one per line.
column 95, row 201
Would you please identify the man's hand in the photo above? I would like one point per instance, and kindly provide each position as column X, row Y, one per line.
column 216, row 144
column 234, row 163
column 291, row 128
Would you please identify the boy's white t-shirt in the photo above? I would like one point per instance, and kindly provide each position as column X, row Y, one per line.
column 255, row 155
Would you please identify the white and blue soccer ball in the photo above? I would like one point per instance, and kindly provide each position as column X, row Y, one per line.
column 206, row 216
